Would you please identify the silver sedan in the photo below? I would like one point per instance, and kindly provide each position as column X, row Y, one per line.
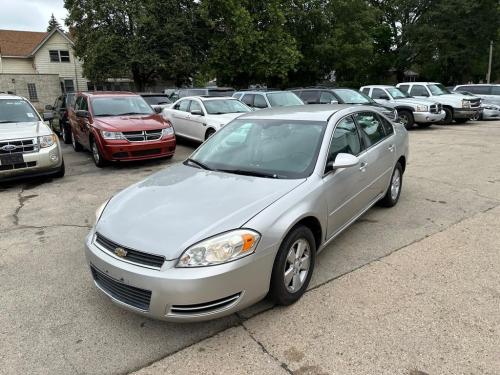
column 247, row 213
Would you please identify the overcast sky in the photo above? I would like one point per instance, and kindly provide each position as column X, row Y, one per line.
column 32, row 15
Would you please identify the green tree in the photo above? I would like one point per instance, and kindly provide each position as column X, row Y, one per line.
column 143, row 39
column 53, row 24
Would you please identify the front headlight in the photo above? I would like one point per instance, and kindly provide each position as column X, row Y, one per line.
column 47, row 140
column 421, row 108
column 220, row 249
column 112, row 135
column 100, row 210
column 167, row 131
column 465, row 103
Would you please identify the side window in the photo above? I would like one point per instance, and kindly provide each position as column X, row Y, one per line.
column 479, row 90
column 195, row 106
column 326, row 97
column 418, row 90
column 310, row 97
column 372, row 129
column 379, row 94
column 388, row 128
column 345, row 139
column 365, row 90
column 84, row 105
column 183, row 106
column 259, row 101
column 404, row 88
column 77, row 103
column 495, row 90
column 248, row 99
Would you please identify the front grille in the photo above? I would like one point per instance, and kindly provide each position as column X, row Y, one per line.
column 143, row 135
column 9, row 167
column 128, row 294
column 475, row 103
column 134, row 256
column 152, row 151
column 205, row 308
column 20, row 145
column 435, row 108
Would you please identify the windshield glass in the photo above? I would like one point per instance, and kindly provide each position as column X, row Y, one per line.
column 352, row 96
column 396, row 93
column 16, row 110
column 270, row 148
column 219, row 107
column 121, row 105
column 283, row 99
column 438, row 89
column 156, row 100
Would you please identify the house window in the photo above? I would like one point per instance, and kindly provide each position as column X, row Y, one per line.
column 59, row 56
column 32, row 92
column 69, row 85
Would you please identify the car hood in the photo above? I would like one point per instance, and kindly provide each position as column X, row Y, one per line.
column 130, row 123
column 223, row 119
column 182, row 205
column 414, row 101
column 17, row 130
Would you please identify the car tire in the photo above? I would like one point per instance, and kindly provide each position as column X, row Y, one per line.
column 209, row 133
column 66, row 134
column 99, row 160
column 293, row 266
column 461, row 120
column 76, row 146
column 406, row 118
column 425, row 125
column 391, row 197
column 448, row 118
column 62, row 170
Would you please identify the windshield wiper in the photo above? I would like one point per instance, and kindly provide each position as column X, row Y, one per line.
column 7, row 121
column 245, row 172
column 105, row 115
column 199, row 164
column 133, row 113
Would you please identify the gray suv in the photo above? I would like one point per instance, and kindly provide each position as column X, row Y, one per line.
column 489, row 93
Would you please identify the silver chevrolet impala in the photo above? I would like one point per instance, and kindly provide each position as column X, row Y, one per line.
column 247, row 213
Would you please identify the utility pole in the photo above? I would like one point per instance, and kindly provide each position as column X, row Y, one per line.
column 488, row 76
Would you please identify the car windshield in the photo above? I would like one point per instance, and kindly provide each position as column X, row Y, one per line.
column 157, row 100
column 120, row 106
column 438, row 89
column 349, row 96
column 16, row 110
column 219, row 107
column 263, row 148
column 396, row 93
column 283, row 99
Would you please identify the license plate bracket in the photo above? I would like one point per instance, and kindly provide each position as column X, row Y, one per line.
column 11, row 159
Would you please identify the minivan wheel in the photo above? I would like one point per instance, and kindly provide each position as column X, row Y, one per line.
column 391, row 197
column 406, row 119
column 293, row 266
column 76, row 146
column 99, row 161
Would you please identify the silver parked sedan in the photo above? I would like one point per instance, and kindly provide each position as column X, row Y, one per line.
column 247, row 213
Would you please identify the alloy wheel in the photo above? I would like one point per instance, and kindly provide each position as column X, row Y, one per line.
column 95, row 153
column 403, row 119
column 395, row 184
column 298, row 262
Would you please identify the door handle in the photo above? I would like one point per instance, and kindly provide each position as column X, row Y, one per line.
column 391, row 148
column 362, row 166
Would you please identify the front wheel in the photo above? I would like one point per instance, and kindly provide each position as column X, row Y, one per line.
column 391, row 197
column 62, row 170
column 406, row 118
column 209, row 133
column 448, row 118
column 66, row 134
column 99, row 161
column 293, row 266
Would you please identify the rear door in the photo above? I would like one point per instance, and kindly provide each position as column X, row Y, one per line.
column 180, row 117
column 84, row 125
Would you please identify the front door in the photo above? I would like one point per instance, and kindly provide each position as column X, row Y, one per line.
column 196, row 126
column 180, row 116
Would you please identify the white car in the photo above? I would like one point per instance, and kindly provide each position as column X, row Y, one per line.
column 197, row 117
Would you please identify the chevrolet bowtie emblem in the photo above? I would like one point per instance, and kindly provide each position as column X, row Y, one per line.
column 121, row 252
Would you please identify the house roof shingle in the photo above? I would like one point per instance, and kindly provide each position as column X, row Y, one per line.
column 19, row 43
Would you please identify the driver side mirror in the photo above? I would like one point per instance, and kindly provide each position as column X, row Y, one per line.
column 157, row 109
column 342, row 161
column 197, row 112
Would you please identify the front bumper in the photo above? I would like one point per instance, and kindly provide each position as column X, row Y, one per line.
column 491, row 114
column 426, row 117
column 465, row 112
column 46, row 161
column 115, row 150
column 174, row 291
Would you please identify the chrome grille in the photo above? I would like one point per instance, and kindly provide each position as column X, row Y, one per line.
column 143, row 135
column 205, row 308
column 130, row 295
column 475, row 103
column 19, row 145
column 435, row 108
column 132, row 256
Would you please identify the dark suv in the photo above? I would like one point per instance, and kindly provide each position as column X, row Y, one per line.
column 325, row 95
column 59, row 122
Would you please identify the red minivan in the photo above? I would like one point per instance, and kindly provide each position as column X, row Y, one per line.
column 119, row 126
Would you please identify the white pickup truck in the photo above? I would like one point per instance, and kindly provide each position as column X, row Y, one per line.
column 411, row 111
column 456, row 106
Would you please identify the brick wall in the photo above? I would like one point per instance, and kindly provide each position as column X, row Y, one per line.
column 48, row 87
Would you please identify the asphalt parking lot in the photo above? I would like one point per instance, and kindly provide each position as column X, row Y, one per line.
column 53, row 320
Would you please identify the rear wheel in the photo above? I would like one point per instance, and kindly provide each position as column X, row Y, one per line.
column 293, row 266
column 391, row 197
column 76, row 146
column 99, row 161
column 406, row 118
column 209, row 133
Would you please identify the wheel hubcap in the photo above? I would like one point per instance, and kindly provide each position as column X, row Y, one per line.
column 298, row 262
column 95, row 152
column 395, row 184
column 403, row 119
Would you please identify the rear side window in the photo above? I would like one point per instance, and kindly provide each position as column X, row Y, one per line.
column 404, row 88
column 259, row 102
column 495, row 90
column 387, row 126
column 248, row 99
column 480, row 90
column 372, row 129
column 419, row 90
column 379, row 94
column 310, row 97
column 365, row 90
column 327, row 98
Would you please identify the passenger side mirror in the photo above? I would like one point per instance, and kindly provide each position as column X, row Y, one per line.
column 197, row 112
column 82, row 113
column 47, row 116
column 157, row 109
column 343, row 161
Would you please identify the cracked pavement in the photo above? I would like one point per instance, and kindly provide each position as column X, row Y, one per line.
column 413, row 289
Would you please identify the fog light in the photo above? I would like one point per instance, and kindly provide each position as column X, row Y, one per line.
column 54, row 157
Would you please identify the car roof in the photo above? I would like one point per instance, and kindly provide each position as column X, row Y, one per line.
column 378, row 86
column 152, row 94
column 419, row 83
column 207, row 98
column 259, row 92
column 10, row 96
column 108, row 93
column 478, row 84
column 311, row 112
